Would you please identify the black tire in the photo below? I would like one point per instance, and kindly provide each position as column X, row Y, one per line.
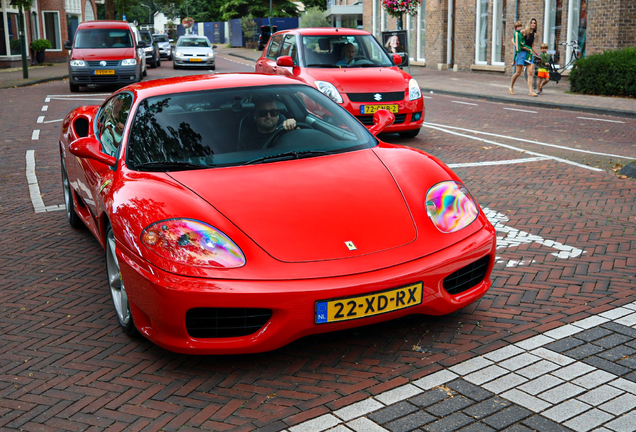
column 116, row 286
column 213, row 67
column 69, row 201
column 409, row 134
column 174, row 66
column 73, row 87
column 144, row 72
column 159, row 61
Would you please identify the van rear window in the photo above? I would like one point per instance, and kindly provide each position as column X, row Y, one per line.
column 103, row 38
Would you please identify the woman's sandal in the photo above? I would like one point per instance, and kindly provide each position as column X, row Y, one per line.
column 533, row 94
column 510, row 90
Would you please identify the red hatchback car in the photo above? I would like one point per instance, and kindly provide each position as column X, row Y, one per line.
column 225, row 231
column 350, row 67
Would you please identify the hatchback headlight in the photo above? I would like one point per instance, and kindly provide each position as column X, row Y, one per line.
column 179, row 54
column 78, row 63
column 450, row 206
column 194, row 243
column 414, row 90
column 148, row 49
column 129, row 62
column 329, row 89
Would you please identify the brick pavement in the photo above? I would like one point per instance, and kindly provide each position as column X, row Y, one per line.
column 65, row 365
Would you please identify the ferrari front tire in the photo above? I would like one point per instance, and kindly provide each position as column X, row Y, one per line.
column 69, row 202
column 117, row 287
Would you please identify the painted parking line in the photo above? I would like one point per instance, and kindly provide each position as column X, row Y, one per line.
column 35, row 135
column 521, row 110
column 77, row 99
column 40, row 119
column 500, row 162
column 464, row 103
column 53, row 121
column 442, row 129
column 598, row 119
column 34, row 187
column 530, row 374
column 539, row 143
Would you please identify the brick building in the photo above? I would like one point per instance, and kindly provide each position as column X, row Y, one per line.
column 476, row 34
column 55, row 20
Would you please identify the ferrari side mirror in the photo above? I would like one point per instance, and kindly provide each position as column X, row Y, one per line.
column 381, row 120
column 90, row 148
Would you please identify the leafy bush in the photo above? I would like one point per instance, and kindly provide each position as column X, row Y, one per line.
column 612, row 73
column 313, row 18
column 38, row 45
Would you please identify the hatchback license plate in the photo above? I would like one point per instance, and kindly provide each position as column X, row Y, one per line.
column 368, row 305
column 371, row 109
column 104, row 72
column 195, row 59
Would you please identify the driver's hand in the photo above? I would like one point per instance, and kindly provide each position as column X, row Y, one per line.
column 289, row 124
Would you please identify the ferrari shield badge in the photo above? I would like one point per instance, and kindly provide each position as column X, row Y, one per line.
column 350, row 245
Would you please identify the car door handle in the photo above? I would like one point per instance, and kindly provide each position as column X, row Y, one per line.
column 274, row 69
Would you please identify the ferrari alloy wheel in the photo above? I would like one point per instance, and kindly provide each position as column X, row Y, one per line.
column 73, row 219
column 116, row 285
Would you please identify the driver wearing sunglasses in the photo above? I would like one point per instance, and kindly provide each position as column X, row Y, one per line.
column 267, row 119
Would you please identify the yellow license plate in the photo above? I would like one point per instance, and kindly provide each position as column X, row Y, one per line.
column 195, row 59
column 368, row 305
column 104, row 72
column 371, row 109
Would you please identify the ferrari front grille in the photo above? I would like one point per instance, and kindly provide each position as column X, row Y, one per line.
column 467, row 277
column 225, row 322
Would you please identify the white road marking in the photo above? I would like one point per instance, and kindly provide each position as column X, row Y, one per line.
column 501, row 162
column 40, row 119
column 597, row 119
column 53, row 121
column 465, row 103
column 515, row 109
column 34, row 188
column 35, row 135
column 47, row 100
column 45, row 108
column 427, row 97
column 530, row 141
column 77, row 96
column 513, row 148
column 80, row 99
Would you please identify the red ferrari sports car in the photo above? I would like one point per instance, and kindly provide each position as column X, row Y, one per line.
column 239, row 212
column 353, row 69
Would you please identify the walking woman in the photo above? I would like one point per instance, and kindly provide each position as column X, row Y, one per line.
column 528, row 34
column 522, row 52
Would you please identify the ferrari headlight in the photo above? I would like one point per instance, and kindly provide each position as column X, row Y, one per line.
column 329, row 89
column 414, row 90
column 78, row 63
column 450, row 206
column 190, row 242
column 129, row 62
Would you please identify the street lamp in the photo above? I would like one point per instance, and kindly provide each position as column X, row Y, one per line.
column 149, row 9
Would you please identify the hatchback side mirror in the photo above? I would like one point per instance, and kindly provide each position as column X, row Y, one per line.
column 381, row 120
column 285, row 61
column 68, row 45
column 90, row 148
column 213, row 46
column 141, row 44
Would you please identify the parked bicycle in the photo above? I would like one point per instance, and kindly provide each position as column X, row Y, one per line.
column 575, row 54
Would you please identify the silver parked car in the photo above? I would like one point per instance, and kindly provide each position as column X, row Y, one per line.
column 194, row 50
column 165, row 47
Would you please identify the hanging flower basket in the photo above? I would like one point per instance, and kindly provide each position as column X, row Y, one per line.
column 187, row 22
column 396, row 8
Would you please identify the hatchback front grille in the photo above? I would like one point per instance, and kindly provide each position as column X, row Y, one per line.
column 225, row 322
column 467, row 277
column 368, row 119
column 371, row 97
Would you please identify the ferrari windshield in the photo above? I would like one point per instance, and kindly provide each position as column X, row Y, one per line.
column 239, row 126
column 344, row 51
column 103, row 38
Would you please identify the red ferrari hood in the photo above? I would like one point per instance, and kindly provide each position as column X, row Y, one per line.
column 103, row 54
column 322, row 208
column 356, row 80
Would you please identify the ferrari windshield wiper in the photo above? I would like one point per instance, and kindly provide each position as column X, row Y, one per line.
column 287, row 156
column 171, row 166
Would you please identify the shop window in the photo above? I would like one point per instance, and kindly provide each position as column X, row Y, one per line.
column 553, row 25
column 481, row 45
column 3, row 40
column 52, row 29
column 499, row 32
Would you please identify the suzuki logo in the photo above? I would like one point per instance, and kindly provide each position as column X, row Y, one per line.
column 102, row 63
column 377, row 96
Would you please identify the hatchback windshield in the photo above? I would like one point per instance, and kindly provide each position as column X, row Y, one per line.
column 240, row 126
column 145, row 36
column 193, row 42
column 344, row 51
column 160, row 38
column 103, row 38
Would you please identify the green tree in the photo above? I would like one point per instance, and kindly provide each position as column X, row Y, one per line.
column 259, row 8
column 320, row 4
column 313, row 18
column 248, row 25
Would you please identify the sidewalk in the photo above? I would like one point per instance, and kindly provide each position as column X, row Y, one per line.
column 494, row 88
column 472, row 85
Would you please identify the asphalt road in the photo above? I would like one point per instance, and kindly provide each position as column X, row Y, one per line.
column 565, row 223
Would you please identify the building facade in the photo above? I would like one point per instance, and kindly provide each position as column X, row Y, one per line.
column 477, row 34
column 55, row 20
